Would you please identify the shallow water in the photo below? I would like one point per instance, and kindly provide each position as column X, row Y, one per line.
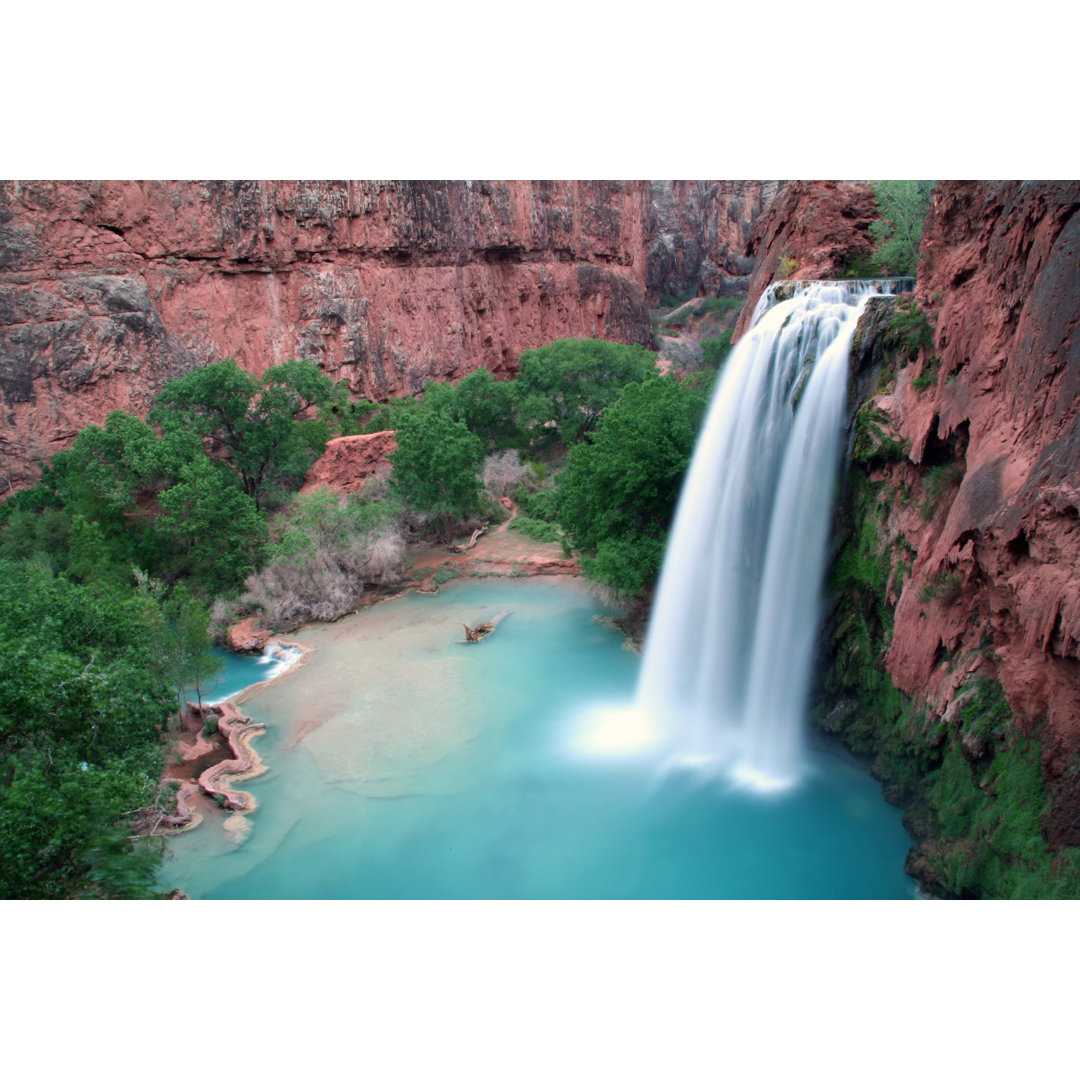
column 242, row 671
column 404, row 763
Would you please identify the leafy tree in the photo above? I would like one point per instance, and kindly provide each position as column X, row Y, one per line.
column 570, row 382
column 902, row 205
column 213, row 531
column 193, row 664
column 617, row 495
column 483, row 404
column 436, row 468
column 258, row 423
column 81, row 722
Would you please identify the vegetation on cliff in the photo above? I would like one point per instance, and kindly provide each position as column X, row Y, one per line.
column 970, row 782
column 897, row 235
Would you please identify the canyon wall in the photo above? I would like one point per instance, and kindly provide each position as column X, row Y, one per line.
column 811, row 229
column 108, row 290
column 957, row 581
column 700, row 231
column 994, row 407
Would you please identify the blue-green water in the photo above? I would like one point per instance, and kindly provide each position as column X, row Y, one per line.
column 406, row 764
column 240, row 672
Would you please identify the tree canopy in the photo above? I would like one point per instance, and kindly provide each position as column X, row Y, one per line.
column 436, row 468
column 82, row 712
column 617, row 495
column 567, row 385
column 267, row 427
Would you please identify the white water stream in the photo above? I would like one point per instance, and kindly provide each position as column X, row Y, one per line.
column 728, row 658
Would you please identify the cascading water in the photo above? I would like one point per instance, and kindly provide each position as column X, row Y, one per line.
column 728, row 657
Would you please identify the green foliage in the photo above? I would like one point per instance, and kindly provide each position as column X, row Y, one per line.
column 909, row 331
column 259, row 423
column 714, row 351
column 387, row 416
column 485, row 405
column 902, row 205
column 617, row 495
column 860, row 264
column 724, row 305
column 874, row 442
column 976, row 818
column 943, row 587
column 435, row 468
column 986, row 713
column 938, row 482
column 539, row 504
column 566, row 386
column 785, row 267
column 445, row 572
column 545, row 532
column 81, row 720
column 213, row 530
column 928, row 375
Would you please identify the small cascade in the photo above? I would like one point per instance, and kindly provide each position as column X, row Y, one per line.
column 730, row 646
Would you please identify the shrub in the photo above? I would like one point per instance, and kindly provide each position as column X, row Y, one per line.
column 545, row 532
column 714, row 351
column 943, row 587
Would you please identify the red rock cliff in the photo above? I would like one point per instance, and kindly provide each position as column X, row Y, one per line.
column 110, row 289
column 1000, row 279
column 818, row 225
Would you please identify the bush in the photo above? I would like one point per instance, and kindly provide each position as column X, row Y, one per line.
column 331, row 548
column 545, row 532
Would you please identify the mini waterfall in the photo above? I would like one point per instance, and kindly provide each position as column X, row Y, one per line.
column 731, row 640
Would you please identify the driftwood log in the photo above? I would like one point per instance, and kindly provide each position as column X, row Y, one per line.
column 471, row 542
column 479, row 631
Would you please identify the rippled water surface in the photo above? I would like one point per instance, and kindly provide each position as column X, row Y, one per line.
column 404, row 763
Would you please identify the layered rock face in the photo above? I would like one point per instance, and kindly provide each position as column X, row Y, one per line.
column 700, row 231
column 994, row 410
column 811, row 229
column 108, row 290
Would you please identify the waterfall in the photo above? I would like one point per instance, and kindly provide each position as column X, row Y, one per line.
column 730, row 645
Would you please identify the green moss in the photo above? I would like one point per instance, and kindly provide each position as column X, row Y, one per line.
column 942, row 587
column 972, row 792
column 938, row 482
column 444, row 573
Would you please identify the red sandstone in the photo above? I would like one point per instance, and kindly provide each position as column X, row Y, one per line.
column 350, row 460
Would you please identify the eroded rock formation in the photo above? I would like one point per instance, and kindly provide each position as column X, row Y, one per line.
column 812, row 229
column 700, row 231
column 349, row 461
column 994, row 408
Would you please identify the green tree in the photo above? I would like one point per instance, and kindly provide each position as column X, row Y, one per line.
column 902, row 205
column 436, row 468
column 193, row 664
column 617, row 495
column 81, row 722
column 568, row 384
column 485, row 405
column 212, row 530
column 264, row 427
